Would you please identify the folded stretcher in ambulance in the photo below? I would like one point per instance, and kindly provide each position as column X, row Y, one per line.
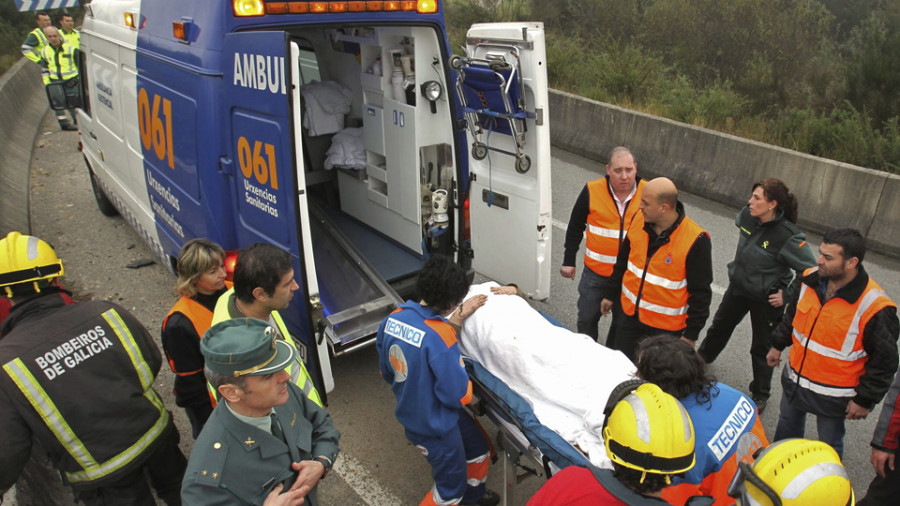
column 542, row 384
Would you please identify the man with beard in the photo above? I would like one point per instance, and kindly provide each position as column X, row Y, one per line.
column 842, row 329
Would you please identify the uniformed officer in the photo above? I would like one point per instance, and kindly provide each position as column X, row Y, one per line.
column 263, row 285
column 36, row 40
column 265, row 437
column 68, row 31
column 60, row 66
column 78, row 378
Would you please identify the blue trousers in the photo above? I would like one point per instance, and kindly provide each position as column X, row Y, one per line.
column 792, row 424
column 459, row 461
column 590, row 295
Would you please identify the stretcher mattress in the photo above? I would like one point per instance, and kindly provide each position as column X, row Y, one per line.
column 564, row 377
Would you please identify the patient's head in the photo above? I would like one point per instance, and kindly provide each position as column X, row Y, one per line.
column 673, row 365
column 442, row 283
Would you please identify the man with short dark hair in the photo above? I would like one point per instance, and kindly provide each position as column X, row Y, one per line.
column 266, row 442
column 602, row 214
column 36, row 40
column 842, row 329
column 263, row 285
column 663, row 273
column 68, row 31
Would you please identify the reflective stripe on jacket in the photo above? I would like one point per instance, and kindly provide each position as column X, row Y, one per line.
column 93, row 364
column 606, row 228
column 827, row 355
column 201, row 319
column 299, row 375
column 72, row 38
column 659, row 283
column 61, row 64
column 33, row 53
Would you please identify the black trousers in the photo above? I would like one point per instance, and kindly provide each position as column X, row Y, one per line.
column 883, row 491
column 631, row 332
column 164, row 469
column 763, row 319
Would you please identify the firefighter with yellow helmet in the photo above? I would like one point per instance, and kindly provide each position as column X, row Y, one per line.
column 78, row 376
column 793, row 472
column 649, row 437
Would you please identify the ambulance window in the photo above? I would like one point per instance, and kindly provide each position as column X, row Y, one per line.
column 309, row 65
column 84, row 87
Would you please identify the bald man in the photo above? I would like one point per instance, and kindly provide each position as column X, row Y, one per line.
column 60, row 63
column 663, row 272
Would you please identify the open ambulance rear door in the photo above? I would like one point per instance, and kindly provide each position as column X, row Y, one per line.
column 262, row 110
column 511, row 209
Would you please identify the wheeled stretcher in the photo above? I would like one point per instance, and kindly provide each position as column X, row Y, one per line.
column 544, row 386
column 493, row 97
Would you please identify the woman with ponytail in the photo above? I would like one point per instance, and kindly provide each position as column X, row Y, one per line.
column 770, row 250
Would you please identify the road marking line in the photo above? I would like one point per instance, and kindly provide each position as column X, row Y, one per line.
column 363, row 483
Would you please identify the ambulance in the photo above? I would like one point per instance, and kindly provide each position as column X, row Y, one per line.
column 345, row 132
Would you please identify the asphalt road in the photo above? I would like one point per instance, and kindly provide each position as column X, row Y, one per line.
column 377, row 464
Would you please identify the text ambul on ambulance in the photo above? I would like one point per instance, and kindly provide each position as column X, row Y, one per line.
column 346, row 133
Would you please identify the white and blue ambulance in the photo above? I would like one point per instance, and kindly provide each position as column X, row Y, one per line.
column 337, row 130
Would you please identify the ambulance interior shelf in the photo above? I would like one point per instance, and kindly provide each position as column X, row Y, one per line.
column 371, row 238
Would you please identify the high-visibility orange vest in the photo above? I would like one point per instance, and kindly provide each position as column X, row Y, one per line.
column 199, row 316
column 659, row 282
column 830, row 336
column 606, row 228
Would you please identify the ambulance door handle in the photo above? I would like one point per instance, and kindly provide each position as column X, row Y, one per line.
column 92, row 134
column 225, row 165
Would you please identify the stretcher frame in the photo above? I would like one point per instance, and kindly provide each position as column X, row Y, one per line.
column 514, row 114
column 522, row 457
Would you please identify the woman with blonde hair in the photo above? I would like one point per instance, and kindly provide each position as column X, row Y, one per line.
column 201, row 280
column 770, row 249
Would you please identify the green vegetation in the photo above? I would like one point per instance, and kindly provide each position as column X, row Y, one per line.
column 14, row 27
column 817, row 76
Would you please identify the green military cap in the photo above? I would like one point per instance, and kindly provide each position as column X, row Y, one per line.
column 245, row 347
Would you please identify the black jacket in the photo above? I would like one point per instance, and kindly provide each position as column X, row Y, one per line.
column 879, row 341
column 698, row 264
column 96, row 363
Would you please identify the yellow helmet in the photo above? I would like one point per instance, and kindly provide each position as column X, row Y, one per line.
column 649, row 430
column 26, row 259
column 793, row 472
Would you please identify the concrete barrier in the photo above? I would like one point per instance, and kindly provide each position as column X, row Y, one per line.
column 723, row 167
column 23, row 104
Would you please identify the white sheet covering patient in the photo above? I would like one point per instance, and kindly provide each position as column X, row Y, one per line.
column 566, row 377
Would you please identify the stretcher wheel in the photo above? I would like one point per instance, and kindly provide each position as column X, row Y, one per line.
column 456, row 62
column 500, row 66
column 523, row 163
column 479, row 151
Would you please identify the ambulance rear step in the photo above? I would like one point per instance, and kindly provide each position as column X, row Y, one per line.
column 357, row 297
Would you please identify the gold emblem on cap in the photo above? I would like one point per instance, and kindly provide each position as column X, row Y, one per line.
column 204, row 473
column 215, row 475
column 217, row 445
column 274, row 333
column 249, row 441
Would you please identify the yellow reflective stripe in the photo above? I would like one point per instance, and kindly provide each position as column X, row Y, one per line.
column 131, row 347
column 138, row 448
column 307, row 385
column 45, row 407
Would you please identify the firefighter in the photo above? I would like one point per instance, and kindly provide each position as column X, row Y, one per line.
column 793, row 472
column 648, row 436
column 78, row 378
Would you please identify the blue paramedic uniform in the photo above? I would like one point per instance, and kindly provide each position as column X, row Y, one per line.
column 419, row 357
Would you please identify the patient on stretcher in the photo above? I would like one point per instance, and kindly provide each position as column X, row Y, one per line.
column 566, row 377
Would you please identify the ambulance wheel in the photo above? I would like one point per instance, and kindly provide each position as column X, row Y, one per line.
column 456, row 62
column 103, row 203
column 523, row 163
column 479, row 151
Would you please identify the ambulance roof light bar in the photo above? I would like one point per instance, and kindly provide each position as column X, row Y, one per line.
column 251, row 8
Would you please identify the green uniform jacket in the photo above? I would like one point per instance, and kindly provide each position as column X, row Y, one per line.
column 766, row 256
column 236, row 463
